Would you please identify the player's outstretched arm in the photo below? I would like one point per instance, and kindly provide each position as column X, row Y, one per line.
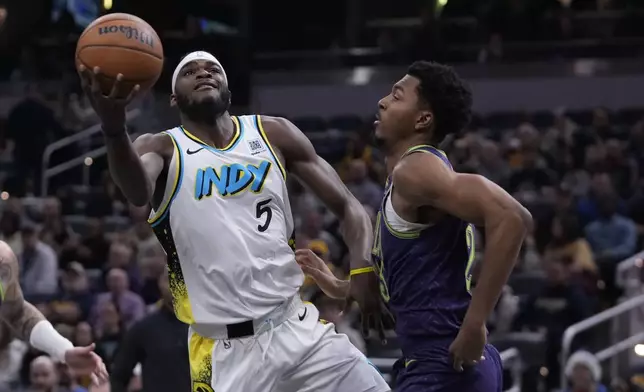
column 324, row 182
column 321, row 178
column 422, row 179
column 28, row 324
column 133, row 166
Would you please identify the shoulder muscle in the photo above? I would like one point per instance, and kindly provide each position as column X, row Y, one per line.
column 423, row 179
column 159, row 143
column 289, row 139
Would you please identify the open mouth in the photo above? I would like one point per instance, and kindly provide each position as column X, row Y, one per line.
column 207, row 85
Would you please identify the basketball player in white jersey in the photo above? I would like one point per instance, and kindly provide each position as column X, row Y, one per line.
column 217, row 186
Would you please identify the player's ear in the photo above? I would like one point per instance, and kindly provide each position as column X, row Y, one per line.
column 173, row 100
column 425, row 120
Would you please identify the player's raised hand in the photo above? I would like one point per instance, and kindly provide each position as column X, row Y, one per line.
column 467, row 349
column 83, row 361
column 110, row 108
column 365, row 290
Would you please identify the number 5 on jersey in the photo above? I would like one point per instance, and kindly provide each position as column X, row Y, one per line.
column 264, row 213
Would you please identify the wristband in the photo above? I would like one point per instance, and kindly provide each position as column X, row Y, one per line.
column 359, row 271
column 44, row 337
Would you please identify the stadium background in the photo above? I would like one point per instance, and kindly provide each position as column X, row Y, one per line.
column 558, row 95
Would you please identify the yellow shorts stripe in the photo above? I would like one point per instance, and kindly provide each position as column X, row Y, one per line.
column 176, row 183
column 258, row 120
column 200, row 350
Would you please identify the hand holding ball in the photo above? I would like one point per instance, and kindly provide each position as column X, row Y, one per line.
column 120, row 47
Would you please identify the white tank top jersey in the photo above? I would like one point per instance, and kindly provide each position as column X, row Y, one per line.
column 225, row 223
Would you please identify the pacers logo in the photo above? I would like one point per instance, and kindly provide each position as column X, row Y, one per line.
column 201, row 387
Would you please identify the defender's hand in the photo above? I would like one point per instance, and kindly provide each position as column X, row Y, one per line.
column 109, row 108
column 365, row 290
column 83, row 361
column 317, row 269
column 467, row 349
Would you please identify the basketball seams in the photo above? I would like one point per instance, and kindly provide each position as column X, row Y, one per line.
column 131, row 18
column 133, row 49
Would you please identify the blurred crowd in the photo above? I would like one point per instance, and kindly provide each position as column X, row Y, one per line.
column 90, row 262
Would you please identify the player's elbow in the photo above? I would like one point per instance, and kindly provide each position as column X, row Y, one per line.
column 521, row 220
column 141, row 199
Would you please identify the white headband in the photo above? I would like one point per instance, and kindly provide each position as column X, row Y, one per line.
column 194, row 56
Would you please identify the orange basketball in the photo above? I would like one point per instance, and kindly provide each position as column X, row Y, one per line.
column 121, row 43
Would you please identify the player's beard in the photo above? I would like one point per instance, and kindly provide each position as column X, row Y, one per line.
column 206, row 111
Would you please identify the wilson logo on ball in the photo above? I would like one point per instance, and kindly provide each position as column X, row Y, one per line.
column 129, row 33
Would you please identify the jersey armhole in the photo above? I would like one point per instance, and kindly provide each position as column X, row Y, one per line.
column 173, row 183
column 260, row 128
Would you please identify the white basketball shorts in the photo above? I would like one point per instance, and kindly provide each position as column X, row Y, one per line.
column 300, row 355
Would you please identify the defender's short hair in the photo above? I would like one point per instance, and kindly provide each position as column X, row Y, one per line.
column 449, row 97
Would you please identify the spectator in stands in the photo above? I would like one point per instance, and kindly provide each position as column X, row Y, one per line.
column 121, row 255
column 601, row 127
column 94, row 247
column 312, row 229
column 43, row 376
column 75, row 289
column 561, row 303
column 158, row 343
column 622, row 168
column 109, row 330
column 612, row 237
column 490, row 163
column 601, row 186
column 53, row 224
column 361, row 186
column 532, row 175
column 10, row 230
column 38, row 264
column 584, row 373
column 568, row 243
column 129, row 305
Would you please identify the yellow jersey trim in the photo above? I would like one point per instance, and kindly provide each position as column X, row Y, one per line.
column 258, row 120
column 419, row 148
column 231, row 144
column 411, row 234
column 398, row 234
column 164, row 208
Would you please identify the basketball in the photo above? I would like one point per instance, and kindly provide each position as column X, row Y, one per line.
column 121, row 43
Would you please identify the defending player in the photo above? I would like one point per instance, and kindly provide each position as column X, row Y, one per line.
column 221, row 210
column 424, row 240
column 22, row 320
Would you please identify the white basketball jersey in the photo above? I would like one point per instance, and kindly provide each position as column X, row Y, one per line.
column 226, row 225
